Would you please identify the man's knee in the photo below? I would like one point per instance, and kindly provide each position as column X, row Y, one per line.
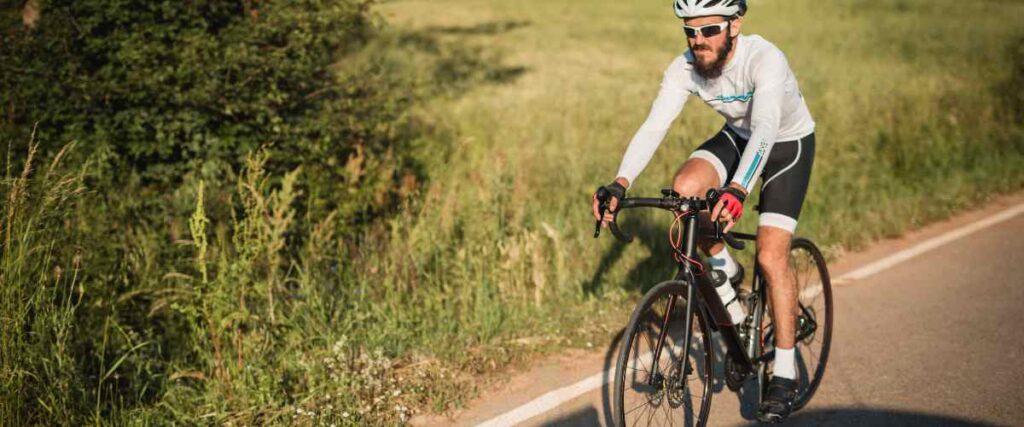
column 772, row 260
column 773, row 249
column 694, row 178
column 687, row 187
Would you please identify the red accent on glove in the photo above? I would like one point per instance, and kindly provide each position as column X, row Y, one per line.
column 733, row 205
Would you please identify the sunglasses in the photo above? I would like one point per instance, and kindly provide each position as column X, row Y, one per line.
column 709, row 30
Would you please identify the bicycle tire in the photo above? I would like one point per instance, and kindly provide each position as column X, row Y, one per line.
column 805, row 259
column 629, row 366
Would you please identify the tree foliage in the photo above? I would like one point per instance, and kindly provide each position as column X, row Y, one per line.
column 161, row 91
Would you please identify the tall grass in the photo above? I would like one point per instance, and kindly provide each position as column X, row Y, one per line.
column 39, row 293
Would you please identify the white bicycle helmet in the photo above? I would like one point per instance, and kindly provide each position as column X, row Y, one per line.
column 697, row 8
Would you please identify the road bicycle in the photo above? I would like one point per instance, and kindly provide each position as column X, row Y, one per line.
column 664, row 374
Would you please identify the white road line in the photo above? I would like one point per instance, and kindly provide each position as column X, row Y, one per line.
column 555, row 398
column 549, row 401
column 929, row 244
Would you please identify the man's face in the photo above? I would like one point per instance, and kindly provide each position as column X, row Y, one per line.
column 711, row 52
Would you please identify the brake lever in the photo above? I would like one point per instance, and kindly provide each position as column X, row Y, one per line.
column 712, row 199
column 602, row 196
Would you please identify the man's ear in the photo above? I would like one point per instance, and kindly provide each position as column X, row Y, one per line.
column 736, row 24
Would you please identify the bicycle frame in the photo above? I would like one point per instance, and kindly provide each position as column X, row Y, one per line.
column 702, row 290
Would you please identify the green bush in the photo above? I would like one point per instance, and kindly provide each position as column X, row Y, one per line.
column 168, row 91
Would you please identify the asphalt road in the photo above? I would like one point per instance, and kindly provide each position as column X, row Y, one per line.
column 937, row 340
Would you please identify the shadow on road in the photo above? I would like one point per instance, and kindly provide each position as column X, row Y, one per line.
column 815, row 417
column 875, row 417
column 583, row 417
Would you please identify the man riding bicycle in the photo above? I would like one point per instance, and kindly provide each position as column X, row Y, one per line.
column 768, row 133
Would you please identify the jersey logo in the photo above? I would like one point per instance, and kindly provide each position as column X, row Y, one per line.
column 734, row 98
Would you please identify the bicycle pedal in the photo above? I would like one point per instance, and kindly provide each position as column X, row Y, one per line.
column 735, row 375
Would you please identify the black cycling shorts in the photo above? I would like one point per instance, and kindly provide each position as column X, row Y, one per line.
column 784, row 178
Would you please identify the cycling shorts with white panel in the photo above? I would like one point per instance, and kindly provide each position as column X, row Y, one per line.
column 786, row 174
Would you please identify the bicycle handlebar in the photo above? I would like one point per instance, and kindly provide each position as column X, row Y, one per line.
column 671, row 202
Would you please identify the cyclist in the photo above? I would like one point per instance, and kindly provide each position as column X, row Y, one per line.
column 768, row 133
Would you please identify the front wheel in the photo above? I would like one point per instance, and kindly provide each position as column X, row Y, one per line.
column 813, row 323
column 674, row 388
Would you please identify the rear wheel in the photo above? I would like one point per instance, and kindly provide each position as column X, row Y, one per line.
column 675, row 388
column 814, row 323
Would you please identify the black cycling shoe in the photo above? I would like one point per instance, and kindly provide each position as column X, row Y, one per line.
column 778, row 402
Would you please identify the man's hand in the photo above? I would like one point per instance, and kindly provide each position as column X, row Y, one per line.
column 730, row 206
column 613, row 204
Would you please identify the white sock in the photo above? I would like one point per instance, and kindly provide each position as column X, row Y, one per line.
column 727, row 293
column 785, row 363
column 723, row 261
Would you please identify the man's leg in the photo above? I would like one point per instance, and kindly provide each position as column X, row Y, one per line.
column 773, row 257
column 785, row 180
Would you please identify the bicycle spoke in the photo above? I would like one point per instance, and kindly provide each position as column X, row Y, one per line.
column 639, row 370
column 641, row 405
column 651, row 417
column 650, row 347
column 668, row 415
column 640, row 414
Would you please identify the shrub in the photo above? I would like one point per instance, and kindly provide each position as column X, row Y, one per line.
column 168, row 91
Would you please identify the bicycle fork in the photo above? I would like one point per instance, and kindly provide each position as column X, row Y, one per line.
column 690, row 239
column 687, row 334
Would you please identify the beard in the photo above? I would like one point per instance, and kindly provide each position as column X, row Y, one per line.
column 714, row 69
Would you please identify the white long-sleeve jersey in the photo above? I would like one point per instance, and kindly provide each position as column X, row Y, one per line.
column 757, row 94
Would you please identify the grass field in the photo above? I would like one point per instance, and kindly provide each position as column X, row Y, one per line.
column 919, row 111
